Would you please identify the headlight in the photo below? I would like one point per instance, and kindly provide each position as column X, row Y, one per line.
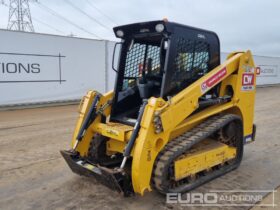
column 159, row 27
column 120, row 33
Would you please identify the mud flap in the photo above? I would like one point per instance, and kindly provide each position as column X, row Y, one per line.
column 112, row 179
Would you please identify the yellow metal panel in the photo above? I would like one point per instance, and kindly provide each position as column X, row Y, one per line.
column 114, row 130
column 146, row 148
column 198, row 118
column 83, row 145
column 114, row 146
column 206, row 155
column 185, row 102
column 83, row 110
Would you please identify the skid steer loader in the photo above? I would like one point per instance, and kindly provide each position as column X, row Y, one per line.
column 176, row 119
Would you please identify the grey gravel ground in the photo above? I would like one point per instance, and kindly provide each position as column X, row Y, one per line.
column 34, row 176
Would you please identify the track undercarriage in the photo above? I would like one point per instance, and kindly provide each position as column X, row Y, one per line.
column 225, row 130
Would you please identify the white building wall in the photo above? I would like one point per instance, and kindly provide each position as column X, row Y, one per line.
column 109, row 71
column 69, row 67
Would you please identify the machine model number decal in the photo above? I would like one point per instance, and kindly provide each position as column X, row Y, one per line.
column 248, row 69
column 213, row 80
column 112, row 132
column 201, row 36
column 247, row 81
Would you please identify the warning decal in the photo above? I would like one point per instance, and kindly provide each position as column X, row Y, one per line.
column 247, row 81
column 213, row 80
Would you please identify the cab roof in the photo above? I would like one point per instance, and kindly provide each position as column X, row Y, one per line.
column 150, row 27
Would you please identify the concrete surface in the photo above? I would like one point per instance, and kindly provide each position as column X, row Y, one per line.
column 34, row 176
column 271, row 198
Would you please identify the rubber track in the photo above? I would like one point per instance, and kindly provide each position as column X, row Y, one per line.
column 181, row 145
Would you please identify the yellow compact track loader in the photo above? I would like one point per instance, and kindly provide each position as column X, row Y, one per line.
column 176, row 118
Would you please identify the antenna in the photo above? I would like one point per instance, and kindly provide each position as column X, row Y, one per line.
column 20, row 16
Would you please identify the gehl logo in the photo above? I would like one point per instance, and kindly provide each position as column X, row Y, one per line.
column 12, row 68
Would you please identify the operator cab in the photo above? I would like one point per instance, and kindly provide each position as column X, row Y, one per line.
column 159, row 59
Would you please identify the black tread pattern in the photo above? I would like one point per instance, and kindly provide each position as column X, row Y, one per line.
column 180, row 145
column 97, row 149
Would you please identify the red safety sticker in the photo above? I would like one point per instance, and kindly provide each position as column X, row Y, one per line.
column 258, row 70
column 248, row 81
column 213, row 80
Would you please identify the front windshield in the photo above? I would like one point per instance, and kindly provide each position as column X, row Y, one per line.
column 142, row 56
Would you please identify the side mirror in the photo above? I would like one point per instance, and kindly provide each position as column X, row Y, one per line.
column 117, row 49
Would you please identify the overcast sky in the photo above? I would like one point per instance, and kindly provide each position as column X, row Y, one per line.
column 240, row 24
